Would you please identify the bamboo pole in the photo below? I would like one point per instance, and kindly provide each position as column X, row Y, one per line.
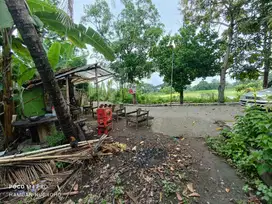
column 3, row 161
column 49, row 149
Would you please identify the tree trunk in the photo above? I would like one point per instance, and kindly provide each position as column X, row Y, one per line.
column 134, row 99
column 23, row 22
column 181, row 97
column 221, row 88
column 122, row 92
column 7, row 85
column 267, row 54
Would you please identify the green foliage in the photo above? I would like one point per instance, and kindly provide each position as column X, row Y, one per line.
column 61, row 165
column 166, row 90
column 196, row 55
column 249, row 146
column 56, row 138
column 249, row 87
column 146, row 88
column 252, row 52
column 53, row 54
column 118, row 191
column 204, row 85
column 99, row 15
column 137, row 30
column 169, row 187
column 30, row 149
column 6, row 20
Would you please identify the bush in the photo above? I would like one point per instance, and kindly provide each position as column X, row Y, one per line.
column 249, row 87
column 56, row 138
column 249, row 146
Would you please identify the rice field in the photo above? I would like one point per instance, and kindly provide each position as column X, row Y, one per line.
column 204, row 96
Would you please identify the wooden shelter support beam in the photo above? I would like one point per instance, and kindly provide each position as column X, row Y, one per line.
column 96, row 85
column 104, row 79
column 67, row 93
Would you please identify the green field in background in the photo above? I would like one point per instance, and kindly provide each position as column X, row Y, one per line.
column 202, row 93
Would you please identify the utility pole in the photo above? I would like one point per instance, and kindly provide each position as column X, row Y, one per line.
column 173, row 46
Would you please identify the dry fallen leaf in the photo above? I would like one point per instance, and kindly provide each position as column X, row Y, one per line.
column 219, row 128
column 179, row 196
column 75, row 187
column 134, row 148
column 194, row 195
column 171, row 168
column 148, row 179
column 142, row 142
column 227, row 190
column 190, row 187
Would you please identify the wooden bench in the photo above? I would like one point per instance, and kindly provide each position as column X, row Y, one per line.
column 137, row 117
column 118, row 111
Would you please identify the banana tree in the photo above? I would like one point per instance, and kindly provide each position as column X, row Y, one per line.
column 40, row 13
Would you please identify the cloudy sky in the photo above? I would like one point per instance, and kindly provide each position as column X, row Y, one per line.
column 170, row 17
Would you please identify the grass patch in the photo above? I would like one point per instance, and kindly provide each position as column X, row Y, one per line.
column 205, row 96
column 56, row 138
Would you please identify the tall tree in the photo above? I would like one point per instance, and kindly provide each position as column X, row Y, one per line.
column 196, row 55
column 137, row 30
column 252, row 42
column 217, row 13
column 133, row 33
column 21, row 17
column 99, row 15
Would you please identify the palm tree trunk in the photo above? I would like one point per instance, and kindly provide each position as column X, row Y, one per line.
column 22, row 20
column 7, row 85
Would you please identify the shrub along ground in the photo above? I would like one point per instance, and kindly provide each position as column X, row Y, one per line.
column 248, row 146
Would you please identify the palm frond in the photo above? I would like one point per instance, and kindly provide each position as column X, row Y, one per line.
column 77, row 34
column 42, row 6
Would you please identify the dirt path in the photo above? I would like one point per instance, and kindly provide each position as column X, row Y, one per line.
column 158, row 168
column 190, row 121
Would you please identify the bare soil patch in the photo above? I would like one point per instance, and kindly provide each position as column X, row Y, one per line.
column 157, row 168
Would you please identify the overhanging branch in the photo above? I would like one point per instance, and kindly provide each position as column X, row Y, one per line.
column 221, row 23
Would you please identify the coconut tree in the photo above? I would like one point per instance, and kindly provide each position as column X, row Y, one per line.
column 28, row 19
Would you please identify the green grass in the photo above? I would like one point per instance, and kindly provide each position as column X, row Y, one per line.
column 205, row 96
column 199, row 94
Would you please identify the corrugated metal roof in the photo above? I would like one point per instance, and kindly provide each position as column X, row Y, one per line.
column 78, row 74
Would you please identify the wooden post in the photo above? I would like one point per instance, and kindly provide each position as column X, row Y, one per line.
column 96, row 83
column 67, row 93
column 7, row 86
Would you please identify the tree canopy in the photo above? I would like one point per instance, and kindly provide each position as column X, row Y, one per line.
column 133, row 33
column 196, row 55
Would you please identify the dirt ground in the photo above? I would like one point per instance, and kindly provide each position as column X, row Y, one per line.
column 191, row 121
column 165, row 168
